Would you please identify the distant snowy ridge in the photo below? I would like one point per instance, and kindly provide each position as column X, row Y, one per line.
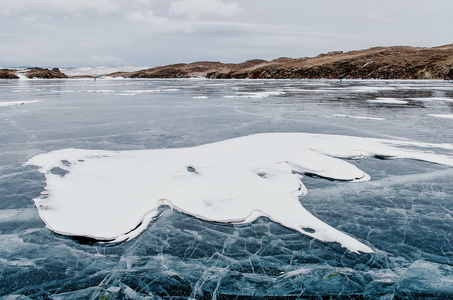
column 100, row 70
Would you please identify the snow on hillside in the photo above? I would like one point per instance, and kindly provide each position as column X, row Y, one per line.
column 100, row 70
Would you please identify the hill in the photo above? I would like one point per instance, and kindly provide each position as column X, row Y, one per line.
column 32, row 73
column 398, row 62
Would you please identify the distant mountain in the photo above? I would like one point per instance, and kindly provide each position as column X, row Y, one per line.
column 99, row 71
column 400, row 62
column 380, row 62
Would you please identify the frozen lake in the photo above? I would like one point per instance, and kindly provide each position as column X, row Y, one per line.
column 404, row 213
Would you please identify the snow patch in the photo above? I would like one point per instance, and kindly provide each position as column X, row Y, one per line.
column 432, row 99
column 111, row 196
column 12, row 103
column 359, row 117
column 387, row 101
column 363, row 89
column 255, row 95
column 444, row 116
column 99, row 71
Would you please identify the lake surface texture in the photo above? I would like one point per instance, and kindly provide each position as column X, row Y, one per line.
column 226, row 189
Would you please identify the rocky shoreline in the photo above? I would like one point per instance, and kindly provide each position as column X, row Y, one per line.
column 400, row 62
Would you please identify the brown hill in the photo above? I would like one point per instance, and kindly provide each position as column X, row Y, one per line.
column 398, row 62
column 380, row 63
column 32, row 73
column 196, row 69
column 44, row 73
column 8, row 74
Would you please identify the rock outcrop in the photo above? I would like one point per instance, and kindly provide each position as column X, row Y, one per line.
column 376, row 63
column 8, row 74
column 55, row 73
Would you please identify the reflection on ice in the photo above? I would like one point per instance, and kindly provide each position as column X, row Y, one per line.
column 112, row 196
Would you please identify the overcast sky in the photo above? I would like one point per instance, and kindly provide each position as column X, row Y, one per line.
column 62, row 33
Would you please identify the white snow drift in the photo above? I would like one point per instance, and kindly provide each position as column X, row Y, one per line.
column 112, row 196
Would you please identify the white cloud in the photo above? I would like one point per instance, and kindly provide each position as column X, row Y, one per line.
column 98, row 6
column 194, row 9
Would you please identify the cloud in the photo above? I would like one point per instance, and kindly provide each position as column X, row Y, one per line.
column 55, row 7
column 158, row 32
column 146, row 16
column 105, row 60
column 194, row 9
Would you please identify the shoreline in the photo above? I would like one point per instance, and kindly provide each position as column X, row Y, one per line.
column 399, row 63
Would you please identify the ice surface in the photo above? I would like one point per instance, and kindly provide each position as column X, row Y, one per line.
column 17, row 215
column 112, row 196
column 404, row 213
column 306, row 90
column 97, row 91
